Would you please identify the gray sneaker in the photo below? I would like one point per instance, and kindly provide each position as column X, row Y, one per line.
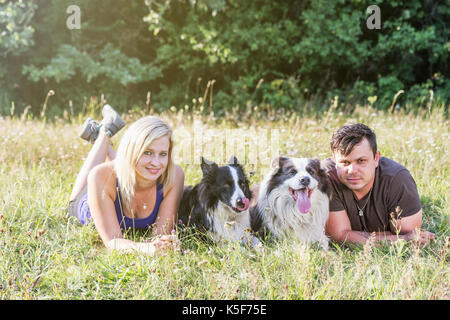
column 111, row 120
column 89, row 130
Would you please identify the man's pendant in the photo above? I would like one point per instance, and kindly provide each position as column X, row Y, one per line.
column 361, row 213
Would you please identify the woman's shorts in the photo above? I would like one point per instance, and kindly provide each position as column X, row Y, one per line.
column 79, row 208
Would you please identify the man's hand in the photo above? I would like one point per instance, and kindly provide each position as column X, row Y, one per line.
column 420, row 236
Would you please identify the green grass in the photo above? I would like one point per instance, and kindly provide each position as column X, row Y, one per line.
column 46, row 255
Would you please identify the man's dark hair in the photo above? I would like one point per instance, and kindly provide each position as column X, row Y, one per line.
column 346, row 137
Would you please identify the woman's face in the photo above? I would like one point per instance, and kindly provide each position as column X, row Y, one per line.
column 153, row 162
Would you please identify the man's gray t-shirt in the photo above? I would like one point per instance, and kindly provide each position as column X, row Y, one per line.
column 393, row 187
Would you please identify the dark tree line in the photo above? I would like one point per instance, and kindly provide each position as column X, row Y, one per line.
column 278, row 53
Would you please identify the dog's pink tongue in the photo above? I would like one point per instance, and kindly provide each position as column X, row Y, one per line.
column 246, row 202
column 303, row 202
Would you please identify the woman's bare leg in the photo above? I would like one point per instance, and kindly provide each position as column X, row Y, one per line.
column 101, row 151
column 111, row 153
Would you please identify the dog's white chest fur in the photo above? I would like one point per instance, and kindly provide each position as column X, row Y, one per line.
column 228, row 225
column 283, row 218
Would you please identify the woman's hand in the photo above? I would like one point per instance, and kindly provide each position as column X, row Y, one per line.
column 165, row 242
column 158, row 245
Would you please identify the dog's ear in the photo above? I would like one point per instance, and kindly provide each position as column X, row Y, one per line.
column 320, row 170
column 207, row 166
column 278, row 162
column 234, row 161
column 275, row 162
column 315, row 164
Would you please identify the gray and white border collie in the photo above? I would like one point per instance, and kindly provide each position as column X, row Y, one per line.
column 220, row 203
column 293, row 200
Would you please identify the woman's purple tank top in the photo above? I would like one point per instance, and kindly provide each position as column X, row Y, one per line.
column 144, row 223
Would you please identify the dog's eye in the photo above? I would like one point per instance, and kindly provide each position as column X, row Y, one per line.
column 293, row 172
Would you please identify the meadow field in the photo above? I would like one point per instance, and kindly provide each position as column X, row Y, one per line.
column 46, row 255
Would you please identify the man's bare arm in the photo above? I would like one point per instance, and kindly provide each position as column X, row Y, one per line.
column 338, row 228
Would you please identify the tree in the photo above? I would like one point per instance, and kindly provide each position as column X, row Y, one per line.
column 16, row 35
column 108, row 55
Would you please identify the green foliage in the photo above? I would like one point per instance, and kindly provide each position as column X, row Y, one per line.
column 281, row 54
column 16, row 35
column 107, row 56
column 107, row 71
column 16, row 32
column 111, row 65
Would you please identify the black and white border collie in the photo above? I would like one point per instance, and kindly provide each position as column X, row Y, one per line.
column 220, row 203
column 293, row 200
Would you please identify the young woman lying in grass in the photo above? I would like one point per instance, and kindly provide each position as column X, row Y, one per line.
column 138, row 187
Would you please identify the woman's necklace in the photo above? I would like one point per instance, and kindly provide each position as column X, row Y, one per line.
column 140, row 204
column 361, row 210
column 143, row 203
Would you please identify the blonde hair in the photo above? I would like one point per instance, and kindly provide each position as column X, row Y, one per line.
column 134, row 142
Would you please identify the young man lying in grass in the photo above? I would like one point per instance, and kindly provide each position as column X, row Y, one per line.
column 371, row 195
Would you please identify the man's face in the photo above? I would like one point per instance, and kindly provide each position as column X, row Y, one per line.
column 357, row 170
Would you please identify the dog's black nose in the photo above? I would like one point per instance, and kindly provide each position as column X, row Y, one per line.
column 305, row 181
column 240, row 203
